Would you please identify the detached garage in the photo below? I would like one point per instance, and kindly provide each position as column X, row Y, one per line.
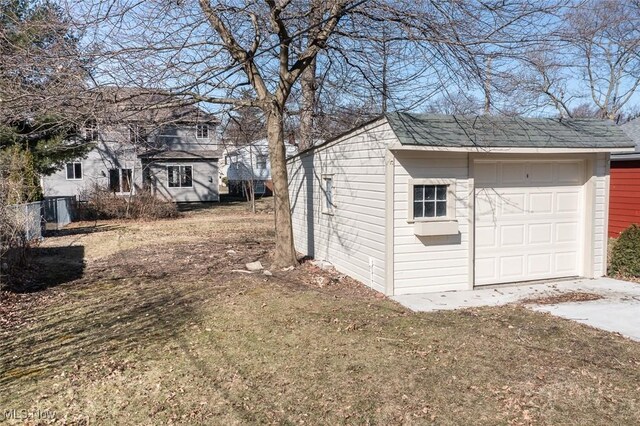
column 423, row 203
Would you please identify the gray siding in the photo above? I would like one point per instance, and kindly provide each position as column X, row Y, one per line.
column 114, row 150
column 205, row 181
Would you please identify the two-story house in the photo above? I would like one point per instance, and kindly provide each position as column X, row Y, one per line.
column 250, row 163
column 144, row 141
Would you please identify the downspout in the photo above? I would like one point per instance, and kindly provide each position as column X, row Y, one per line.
column 389, row 164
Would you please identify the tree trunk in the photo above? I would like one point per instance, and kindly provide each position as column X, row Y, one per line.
column 285, row 253
column 308, row 87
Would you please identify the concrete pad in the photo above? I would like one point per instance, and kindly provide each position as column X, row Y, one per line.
column 618, row 310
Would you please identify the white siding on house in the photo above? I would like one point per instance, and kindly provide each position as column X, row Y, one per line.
column 352, row 238
column 437, row 263
column 242, row 163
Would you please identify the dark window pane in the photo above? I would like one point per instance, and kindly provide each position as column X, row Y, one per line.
column 126, row 180
column 429, row 209
column 441, row 208
column 417, row 209
column 69, row 170
column 418, row 193
column 173, row 176
column 187, row 177
column 441, row 192
column 114, row 180
column 430, row 192
column 78, row 170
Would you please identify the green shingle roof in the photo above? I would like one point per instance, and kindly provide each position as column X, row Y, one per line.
column 508, row 132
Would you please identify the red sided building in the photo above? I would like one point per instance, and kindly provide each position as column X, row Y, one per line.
column 624, row 195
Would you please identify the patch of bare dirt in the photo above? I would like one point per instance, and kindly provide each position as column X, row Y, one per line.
column 572, row 296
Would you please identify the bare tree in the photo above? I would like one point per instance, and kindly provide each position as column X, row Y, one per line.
column 213, row 51
column 592, row 57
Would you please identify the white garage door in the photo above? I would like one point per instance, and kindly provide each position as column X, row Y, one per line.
column 528, row 218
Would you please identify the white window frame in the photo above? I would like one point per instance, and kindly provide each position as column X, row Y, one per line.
column 328, row 207
column 180, row 167
column 261, row 162
column 121, row 174
column 451, row 200
column 74, row 170
column 201, row 135
column 91, row 132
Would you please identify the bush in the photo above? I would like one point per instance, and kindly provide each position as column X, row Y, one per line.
column 625, row 254
column 103, row 204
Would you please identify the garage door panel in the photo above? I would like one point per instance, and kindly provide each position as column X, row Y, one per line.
column 541, row 173
column 531, row 231
column 512, row 266
column 567, row 202
column 539, row 264
column 512, row 204
column 486, row 269
column 485, row 236
column 540, row 233
column 569, row 173
column 513, row 173
column 566, row 232
column 512, row 235
column 567, row 262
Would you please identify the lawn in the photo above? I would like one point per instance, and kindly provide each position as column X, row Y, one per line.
column 149, row 323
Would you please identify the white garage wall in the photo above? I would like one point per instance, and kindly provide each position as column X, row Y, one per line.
column 353, row 237
column 601, row 189
column 427, row 264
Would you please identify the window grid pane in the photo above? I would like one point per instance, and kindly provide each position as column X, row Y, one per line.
column 429, row 201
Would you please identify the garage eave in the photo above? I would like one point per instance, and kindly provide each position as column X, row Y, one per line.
column 505, row 150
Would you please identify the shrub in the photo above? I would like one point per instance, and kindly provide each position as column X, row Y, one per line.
column 625, row 254
column 103, row 204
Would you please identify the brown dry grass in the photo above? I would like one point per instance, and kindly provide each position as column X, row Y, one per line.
column 157, row 329
column 570, row 296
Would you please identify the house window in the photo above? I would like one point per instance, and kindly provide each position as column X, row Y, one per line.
column 74, row 171
column 180, row 176
column 261, row 162
column 120, row 180
column 328, row 190
column 202, row 131
column 429, row 201
column 258, row 187
column 136, row 134
column 91, row 132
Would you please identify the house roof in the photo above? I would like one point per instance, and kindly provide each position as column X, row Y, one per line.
column 631, row 129
column 505, row 132
column 180, row 155
column 148, row 106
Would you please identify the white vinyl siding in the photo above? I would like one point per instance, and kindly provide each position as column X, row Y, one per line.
column 601, row 177
column 432, row 263
column 353, row 237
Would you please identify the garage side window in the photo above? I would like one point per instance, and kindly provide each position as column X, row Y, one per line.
column 429, row 201
column 328, row 205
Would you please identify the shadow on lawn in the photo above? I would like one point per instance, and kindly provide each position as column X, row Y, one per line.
column 48, row 267
column 102, row 320
column 82, row 230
